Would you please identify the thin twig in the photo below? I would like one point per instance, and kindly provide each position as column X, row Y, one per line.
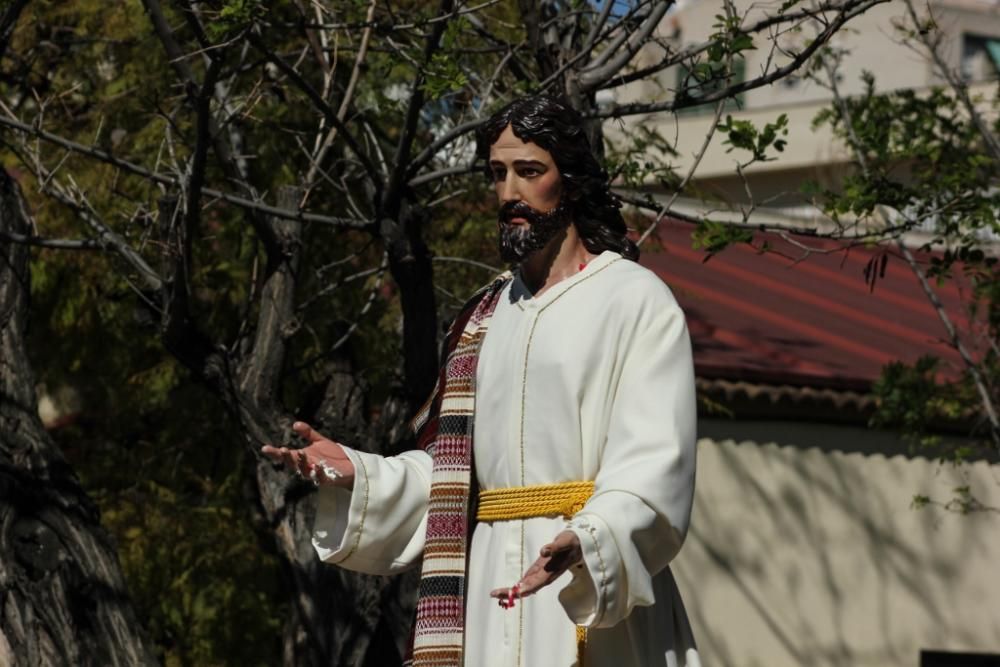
column 345, row 104
column 731, row 91
column 470, row 262
column 690, row 174
column 58, row 244
column 954, row 340
column 163, row 179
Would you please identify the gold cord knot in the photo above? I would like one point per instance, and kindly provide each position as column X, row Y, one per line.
column 527, row 502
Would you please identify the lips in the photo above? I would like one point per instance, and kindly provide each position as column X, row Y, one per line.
column 523, row 230
column 518, row 213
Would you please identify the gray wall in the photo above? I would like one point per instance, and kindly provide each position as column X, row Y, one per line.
column 804, row 550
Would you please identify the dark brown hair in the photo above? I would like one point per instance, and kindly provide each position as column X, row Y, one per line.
column 554, row 125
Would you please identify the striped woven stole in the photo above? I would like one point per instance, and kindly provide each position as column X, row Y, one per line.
column 444, row 430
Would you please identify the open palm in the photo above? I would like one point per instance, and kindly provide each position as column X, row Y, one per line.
column 321, row 460
column 555, row 558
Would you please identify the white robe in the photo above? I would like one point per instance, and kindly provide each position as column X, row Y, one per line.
column 592, row 380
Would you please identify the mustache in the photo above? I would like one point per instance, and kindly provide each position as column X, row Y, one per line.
column 517, row 242
column 518, row 209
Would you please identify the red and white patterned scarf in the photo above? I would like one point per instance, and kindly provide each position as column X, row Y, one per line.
column 444, row 429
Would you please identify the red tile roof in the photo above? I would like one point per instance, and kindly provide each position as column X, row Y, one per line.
column 763, row 318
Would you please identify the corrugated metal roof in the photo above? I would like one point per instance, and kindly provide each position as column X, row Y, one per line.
column 765, row 319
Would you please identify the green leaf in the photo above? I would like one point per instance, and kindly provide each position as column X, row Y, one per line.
column 714, row 237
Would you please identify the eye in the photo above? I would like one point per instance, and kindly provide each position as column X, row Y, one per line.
column 499, row 174
column 528, row 172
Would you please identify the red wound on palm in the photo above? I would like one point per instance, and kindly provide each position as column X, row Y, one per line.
column 512, row 594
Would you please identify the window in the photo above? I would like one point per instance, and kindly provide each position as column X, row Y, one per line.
column 951, row 659
column 980, row 58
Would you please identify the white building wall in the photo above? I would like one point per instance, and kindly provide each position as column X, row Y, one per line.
column 804, row 550
column 870, row 42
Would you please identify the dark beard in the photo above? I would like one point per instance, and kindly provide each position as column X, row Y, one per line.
column 517, row 242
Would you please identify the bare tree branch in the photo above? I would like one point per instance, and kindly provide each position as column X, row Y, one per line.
column 622, row 25
column 458, row 170
column 931, row 42
column 428, row 153
column 597, row 26
column 8, row 20
column 58, row 244
column 112, row 241
column 690, row 174
column 196, row 171
column 163, row 179
column 321, row 105
column 470, row 262
column 985, row 399
column 178, row 60
column 345, row 104
column 860, row 238
column 971, row 366
column 414, row 106
column 731, row 91
column 384, row 28
column 591, row 78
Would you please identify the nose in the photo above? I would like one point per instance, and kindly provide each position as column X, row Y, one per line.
column 507, row 190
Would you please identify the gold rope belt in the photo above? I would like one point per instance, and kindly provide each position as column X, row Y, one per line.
column 527, row 502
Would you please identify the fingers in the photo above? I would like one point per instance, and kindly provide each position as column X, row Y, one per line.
column 271, row 452
column 534, row 580
column 306, row 431
column 294, row 460
column 537, row 577
column 288, row 459
column 564, row 541
column 563, row 552
column 553, row 548
column 555, row 558
column 507, row 596
column 320, row 460
column 302, row 465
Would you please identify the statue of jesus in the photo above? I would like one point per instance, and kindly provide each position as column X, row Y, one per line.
column 554, row 474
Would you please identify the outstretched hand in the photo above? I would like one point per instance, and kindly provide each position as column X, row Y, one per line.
column 555, row 558
column 322, row 460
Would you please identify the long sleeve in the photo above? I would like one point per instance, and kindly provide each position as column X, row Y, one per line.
column 636, row 520
column 377, row 527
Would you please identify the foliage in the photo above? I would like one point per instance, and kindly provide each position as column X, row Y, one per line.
column 146, row 444
column 714, row 237
column 208, row 593
column 926, row 160
column 744, row 135
column 642, row 158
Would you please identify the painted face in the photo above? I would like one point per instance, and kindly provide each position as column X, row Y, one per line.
column 529, row 189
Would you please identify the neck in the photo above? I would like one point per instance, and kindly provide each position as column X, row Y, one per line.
column 559, row 260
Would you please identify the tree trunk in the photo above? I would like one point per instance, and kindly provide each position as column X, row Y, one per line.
column 336, row 617
column 62, row 595
column 410, row 264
